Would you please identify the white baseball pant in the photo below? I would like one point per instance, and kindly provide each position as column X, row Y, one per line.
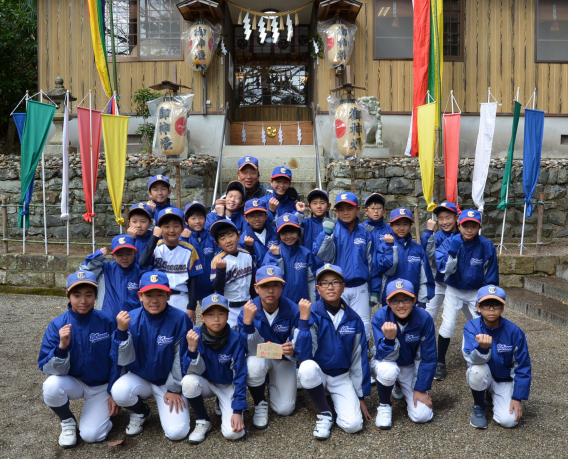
column 282, row 386
column 433, row 307
column 357, row 298
column 340, row 388
column 179, row 301
column 233, row 317
column 95, row 419
column 195, row 385
column 388, row 373
column 129, row 387
column 479, row 378
column 456, row 300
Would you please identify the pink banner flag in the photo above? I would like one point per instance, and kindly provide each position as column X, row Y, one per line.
column 451, row 133
column 89, row 131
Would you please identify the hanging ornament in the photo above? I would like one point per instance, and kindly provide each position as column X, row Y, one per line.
column 280, row 135
column 281, row 27
column 203, row 39
column 268, row 24
column 263, row 135
column 244, row 134
column 254, row 23
column 296, row 20
column 240, row 21
column 261, row 30
column 275, row 31
column 223, row 49
column 299, row 134
column 290, row 28
column 316, row 51
column 338, row 37
column 246, row 26
column 172, row 125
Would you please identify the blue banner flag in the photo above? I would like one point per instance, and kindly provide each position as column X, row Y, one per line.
column 532, row 151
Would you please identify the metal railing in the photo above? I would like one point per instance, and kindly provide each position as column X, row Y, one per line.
column 315, row 129
column 218, row 175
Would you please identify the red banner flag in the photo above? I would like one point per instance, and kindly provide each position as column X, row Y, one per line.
column 89, row 129
column 451, row 133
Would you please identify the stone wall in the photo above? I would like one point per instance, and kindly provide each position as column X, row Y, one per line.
column 399, row 180
column 197, row 177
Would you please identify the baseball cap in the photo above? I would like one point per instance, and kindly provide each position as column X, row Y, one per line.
column 247, row 161
column 122, row 241
column 141, row 207
column 488, row 292
column 470, row 215
column 154, row 280
column 214, row 300
column 193, row 204
column 158, row 178
column 329, row 268
column 170, row 211
column 287, row 220
column 400, row 286
column 255, row 204
column 282, row 172
column 236, row 185
column 81, row 277
column 448, row 206
column 269, row 273
column 400, row 212
column 317, row 193
column 375, row 197
column 220, row 225
column 347, row 197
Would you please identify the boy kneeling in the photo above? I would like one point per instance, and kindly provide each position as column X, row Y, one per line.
column 406, row 352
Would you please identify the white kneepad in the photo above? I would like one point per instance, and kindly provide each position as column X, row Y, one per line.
column 309, row 374
column 477, row 376
column 190, row 386
column 386, row 372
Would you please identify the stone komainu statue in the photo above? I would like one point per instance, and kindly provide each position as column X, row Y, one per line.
column 375, row 135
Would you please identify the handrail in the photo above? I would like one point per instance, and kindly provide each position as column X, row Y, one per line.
column 318, row 171
column 218, row 175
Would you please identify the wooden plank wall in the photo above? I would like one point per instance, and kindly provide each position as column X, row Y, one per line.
column 272, row 113
column 65, row 49
column 289, row 133
column 499, row 52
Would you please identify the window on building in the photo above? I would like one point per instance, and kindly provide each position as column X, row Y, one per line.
column 551, row 31
column 453, row 30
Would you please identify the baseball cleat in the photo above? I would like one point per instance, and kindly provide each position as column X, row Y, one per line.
column 260, row 418
column 440, row 373
column 201, row 428
column 68, row 437
column 134, row 427
column 384, row 417
column 323, row 426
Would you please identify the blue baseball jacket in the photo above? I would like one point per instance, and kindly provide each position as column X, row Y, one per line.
column 226, row 366
column 118, row 286
column 159, row 208
column 350, row 250
column 336, row 350
column 258, row 251
column 287, row 205
column 298, row 266
column 90, row 356
column 508, row 357
column 415, row 344
column 206, row 248
column 473, row 266
column 378, row 230
column 430, row 242
column 140, row 242
column 405, row 259
column 311, row 228
column 237, row 218
column 154, row 345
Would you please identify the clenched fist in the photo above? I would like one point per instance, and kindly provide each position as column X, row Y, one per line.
column 300, row 207
column 484, row 341
column 64, row 336
column 220, row 207
column 192, row 340
column 157, row 231
column 104, row 251
column 431, row 224
column 131, row 231
column 221, row 264
column 273, row 204
column 122, row 320
column 390, row 330
column 275, row 250
column 389, row 239
column 249, row 311
column 152, row 205
column 288, row 349
column 305, row 309
column 249, row 241
column 186, row 233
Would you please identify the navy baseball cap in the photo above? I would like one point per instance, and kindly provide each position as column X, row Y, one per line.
column 195, row 204
column 470, row 215
column 220, row 225
column 170, row 211
column 81, row 277
column 488, row 292
column 400, row 286
column 282, row 172
column 158, row 178
column 269, row 273
column 141, row 207
column 375, row 197
column 400, row 212
column 317, row 193
column 256, row 204
column 287, row 220
column 154, row 280
column 122, row 241
column 247, row 161
column 347, row 197
column 447, row 206
column 329, row 268
column 214, row 300
column 236, row 185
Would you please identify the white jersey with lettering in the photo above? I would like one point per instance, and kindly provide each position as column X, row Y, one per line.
column 178, row 264
column 238, row 277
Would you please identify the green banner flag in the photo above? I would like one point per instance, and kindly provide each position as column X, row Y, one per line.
column 36, row 129
column 509, row 165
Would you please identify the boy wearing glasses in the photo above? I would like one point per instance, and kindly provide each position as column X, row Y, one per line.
column 498, row 361
column 405, row 342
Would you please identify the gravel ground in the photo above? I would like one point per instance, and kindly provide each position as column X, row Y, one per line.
column 30, row 430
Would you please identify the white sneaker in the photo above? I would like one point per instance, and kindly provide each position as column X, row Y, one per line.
column 201, row 428
column 134, row 427
column 260, row 418
column 384, row 417
column 217, row 408
column 397, row 392
column 323, row 427
column 68, row 437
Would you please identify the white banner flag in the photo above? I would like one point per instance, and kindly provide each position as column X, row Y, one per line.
column 65, row 171
column 483, row 152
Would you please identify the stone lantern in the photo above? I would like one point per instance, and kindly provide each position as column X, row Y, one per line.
column 57, row 95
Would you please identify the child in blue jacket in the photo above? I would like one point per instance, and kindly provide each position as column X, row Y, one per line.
column 468, row 261
column 296, row 262
column 140, row 218
column 119, row 279
column 76, row 355
column 215, row 365
column 405, row 342
column 150, row 343
column 498, row 361
column 332, row 345
column 159, row 191
column 230, row 207
column 284, row 198
column 259, row 234
column 318, row 202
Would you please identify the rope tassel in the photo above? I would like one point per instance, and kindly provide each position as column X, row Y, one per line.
column 268, row 24
column 281, row 27
column 296, row 19
column 240, row 21
column 254, row 23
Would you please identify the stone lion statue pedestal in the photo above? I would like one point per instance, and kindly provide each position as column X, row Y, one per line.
column 374, row 142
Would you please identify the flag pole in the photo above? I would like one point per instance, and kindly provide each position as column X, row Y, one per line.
column 43, row 184
column 67, row 206
column 525, row 207
column 24, row 226
column 92, row 187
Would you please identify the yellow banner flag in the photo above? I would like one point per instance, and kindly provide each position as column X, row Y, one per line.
column 426, row 144
column 115, row 135
column 97, row 37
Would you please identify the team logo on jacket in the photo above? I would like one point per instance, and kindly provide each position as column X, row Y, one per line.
column 300, row 265
column 359, row 241
column 215, row 298
column 224, row 358
column 492, row 290
column 154, row 278
column 286, row 218
column 208, row 250
column 271, row 243
column 80, row 275
column 413, row 259
column 95, row 337
column 470, row 213
column 164, row 340
column 122, row 240
column 475, row 261
column 398, row 284
column 411, row 338
column 346, row 330
column 169, row 210
column 504, row 348
column 255, row 202
column 280, row 328
column 270, row 271
column 133, row 286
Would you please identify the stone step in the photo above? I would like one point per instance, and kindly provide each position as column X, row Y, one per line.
column 538, row 306
column 551, row 287
column 562, row 271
